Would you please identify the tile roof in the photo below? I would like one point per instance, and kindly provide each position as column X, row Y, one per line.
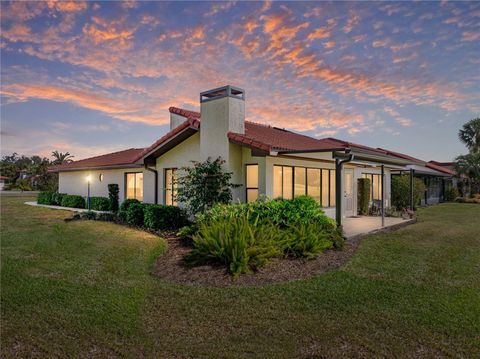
column 434, row 166
column 184, row 113
column 126, row 158
column 402, row 155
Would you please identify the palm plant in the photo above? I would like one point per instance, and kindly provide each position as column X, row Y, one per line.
column 61, row 158
column 469, row 134
column 469, row 167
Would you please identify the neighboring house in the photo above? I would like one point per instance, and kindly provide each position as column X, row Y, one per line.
column 3, row 179
column 265, row 160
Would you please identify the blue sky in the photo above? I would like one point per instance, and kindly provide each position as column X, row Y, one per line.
column 95, row 77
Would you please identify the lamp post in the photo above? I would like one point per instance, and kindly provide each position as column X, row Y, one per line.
column 88, row 192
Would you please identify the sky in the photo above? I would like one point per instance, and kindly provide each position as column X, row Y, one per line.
column 96, row 77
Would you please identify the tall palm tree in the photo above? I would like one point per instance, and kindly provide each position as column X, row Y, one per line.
column 470, row 135
column 61, row 158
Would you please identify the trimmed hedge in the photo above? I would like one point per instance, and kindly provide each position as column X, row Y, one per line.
column 451, row 193
column 363, row 195
column 73, row 201
column 401, row 191
column 50, row 198
column 45, row 198
column 122, row 213
column 161, row 217
column 113, row 196
column 135, row 214
column 99, row 203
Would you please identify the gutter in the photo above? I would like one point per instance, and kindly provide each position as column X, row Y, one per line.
column 155, row 172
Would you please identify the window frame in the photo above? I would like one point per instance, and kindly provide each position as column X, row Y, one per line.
column 134, row 184
column 246, row 180
column 174, row 201
column 380, row 182
column 329, row 174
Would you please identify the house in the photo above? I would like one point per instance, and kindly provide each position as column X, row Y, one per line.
column 265, row 160
column 3, row 179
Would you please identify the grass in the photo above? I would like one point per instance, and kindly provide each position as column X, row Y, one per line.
column 83, row 289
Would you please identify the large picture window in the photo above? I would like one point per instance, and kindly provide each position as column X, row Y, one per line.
column 252, row 182
column 375, row 186
column 289, row 182
column 134, row 185
column 170, row 186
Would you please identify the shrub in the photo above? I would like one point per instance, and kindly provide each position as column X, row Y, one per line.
column 57, row 198
column 188, row 231
column 135, row 214
column 236, row 243
column 451, row 193
column 99, row 203
column 363, row 195
column 113, row 196
column 45, row 198
column 204, row 185
column 73, row 201
column 401, row 191
column 89, row 215
column 160, row 217
column 307, row 240
column 283, row 213
column 467, row 200
column 107, row 217
column 122, row 214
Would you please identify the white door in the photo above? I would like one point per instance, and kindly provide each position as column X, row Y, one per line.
column 348, row 192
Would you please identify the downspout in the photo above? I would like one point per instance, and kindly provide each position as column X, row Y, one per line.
column 338, row 183
column 411, row 188
column 383, row 195
column 155, row 172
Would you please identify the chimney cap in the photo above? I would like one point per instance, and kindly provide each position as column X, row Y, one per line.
column 221, row 92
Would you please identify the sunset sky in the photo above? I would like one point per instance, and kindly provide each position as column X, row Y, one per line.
column 96, row 77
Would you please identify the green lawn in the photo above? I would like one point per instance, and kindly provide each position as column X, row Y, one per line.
column 83, row 289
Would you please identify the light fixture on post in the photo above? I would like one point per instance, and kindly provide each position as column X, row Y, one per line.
column 88, row 191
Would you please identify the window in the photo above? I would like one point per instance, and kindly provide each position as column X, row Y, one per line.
column 134, row 185
column 296, row 181
column 313, row 183
column 300, row 181
column 170, row 186
column 375, row 186
column 100, row 177
column 252, row 182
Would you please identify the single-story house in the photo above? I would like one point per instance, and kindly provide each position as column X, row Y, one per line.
column 265, row 160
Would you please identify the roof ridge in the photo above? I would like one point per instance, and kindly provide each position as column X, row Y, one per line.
column 106, row 154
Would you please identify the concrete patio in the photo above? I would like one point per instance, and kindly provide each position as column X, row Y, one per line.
column 362, row 225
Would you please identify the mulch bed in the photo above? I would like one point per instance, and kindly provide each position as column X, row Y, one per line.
column 171, row 267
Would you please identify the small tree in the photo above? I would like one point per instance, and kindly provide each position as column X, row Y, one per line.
column 113, row 196
column 401, row 191
column 203, row 185
column 363, row 195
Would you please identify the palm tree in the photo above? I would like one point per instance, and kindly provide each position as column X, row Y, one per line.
column 61, row 158
column 469, row 167
column 470, row 135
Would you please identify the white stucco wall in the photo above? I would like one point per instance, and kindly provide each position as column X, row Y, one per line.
column 179, row 156
column 75, row 182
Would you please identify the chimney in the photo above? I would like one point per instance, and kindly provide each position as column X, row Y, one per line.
column 222, row 111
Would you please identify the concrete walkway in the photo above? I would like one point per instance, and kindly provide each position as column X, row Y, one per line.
column 362, row 225
column 63, row 208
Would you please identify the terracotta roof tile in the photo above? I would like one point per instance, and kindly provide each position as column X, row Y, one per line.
column 436, row 167
column 404, row 156
column 184, row 113
column 115, row 159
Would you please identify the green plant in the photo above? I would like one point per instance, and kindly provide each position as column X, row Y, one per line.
column 122, row 213
column 160, row 217
column 363, row 195
column 113, row 196
column 236, row 243
column 135, row 214
column 73, row 201
column 45, row 198
column 401, row 191
column 99, row 203
column 107, row 217
column 203, row 185
column 283, row 213
column 57, row 198
column 307, row 240
column 451, row 193
column 188, row 231
column 88, row 215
